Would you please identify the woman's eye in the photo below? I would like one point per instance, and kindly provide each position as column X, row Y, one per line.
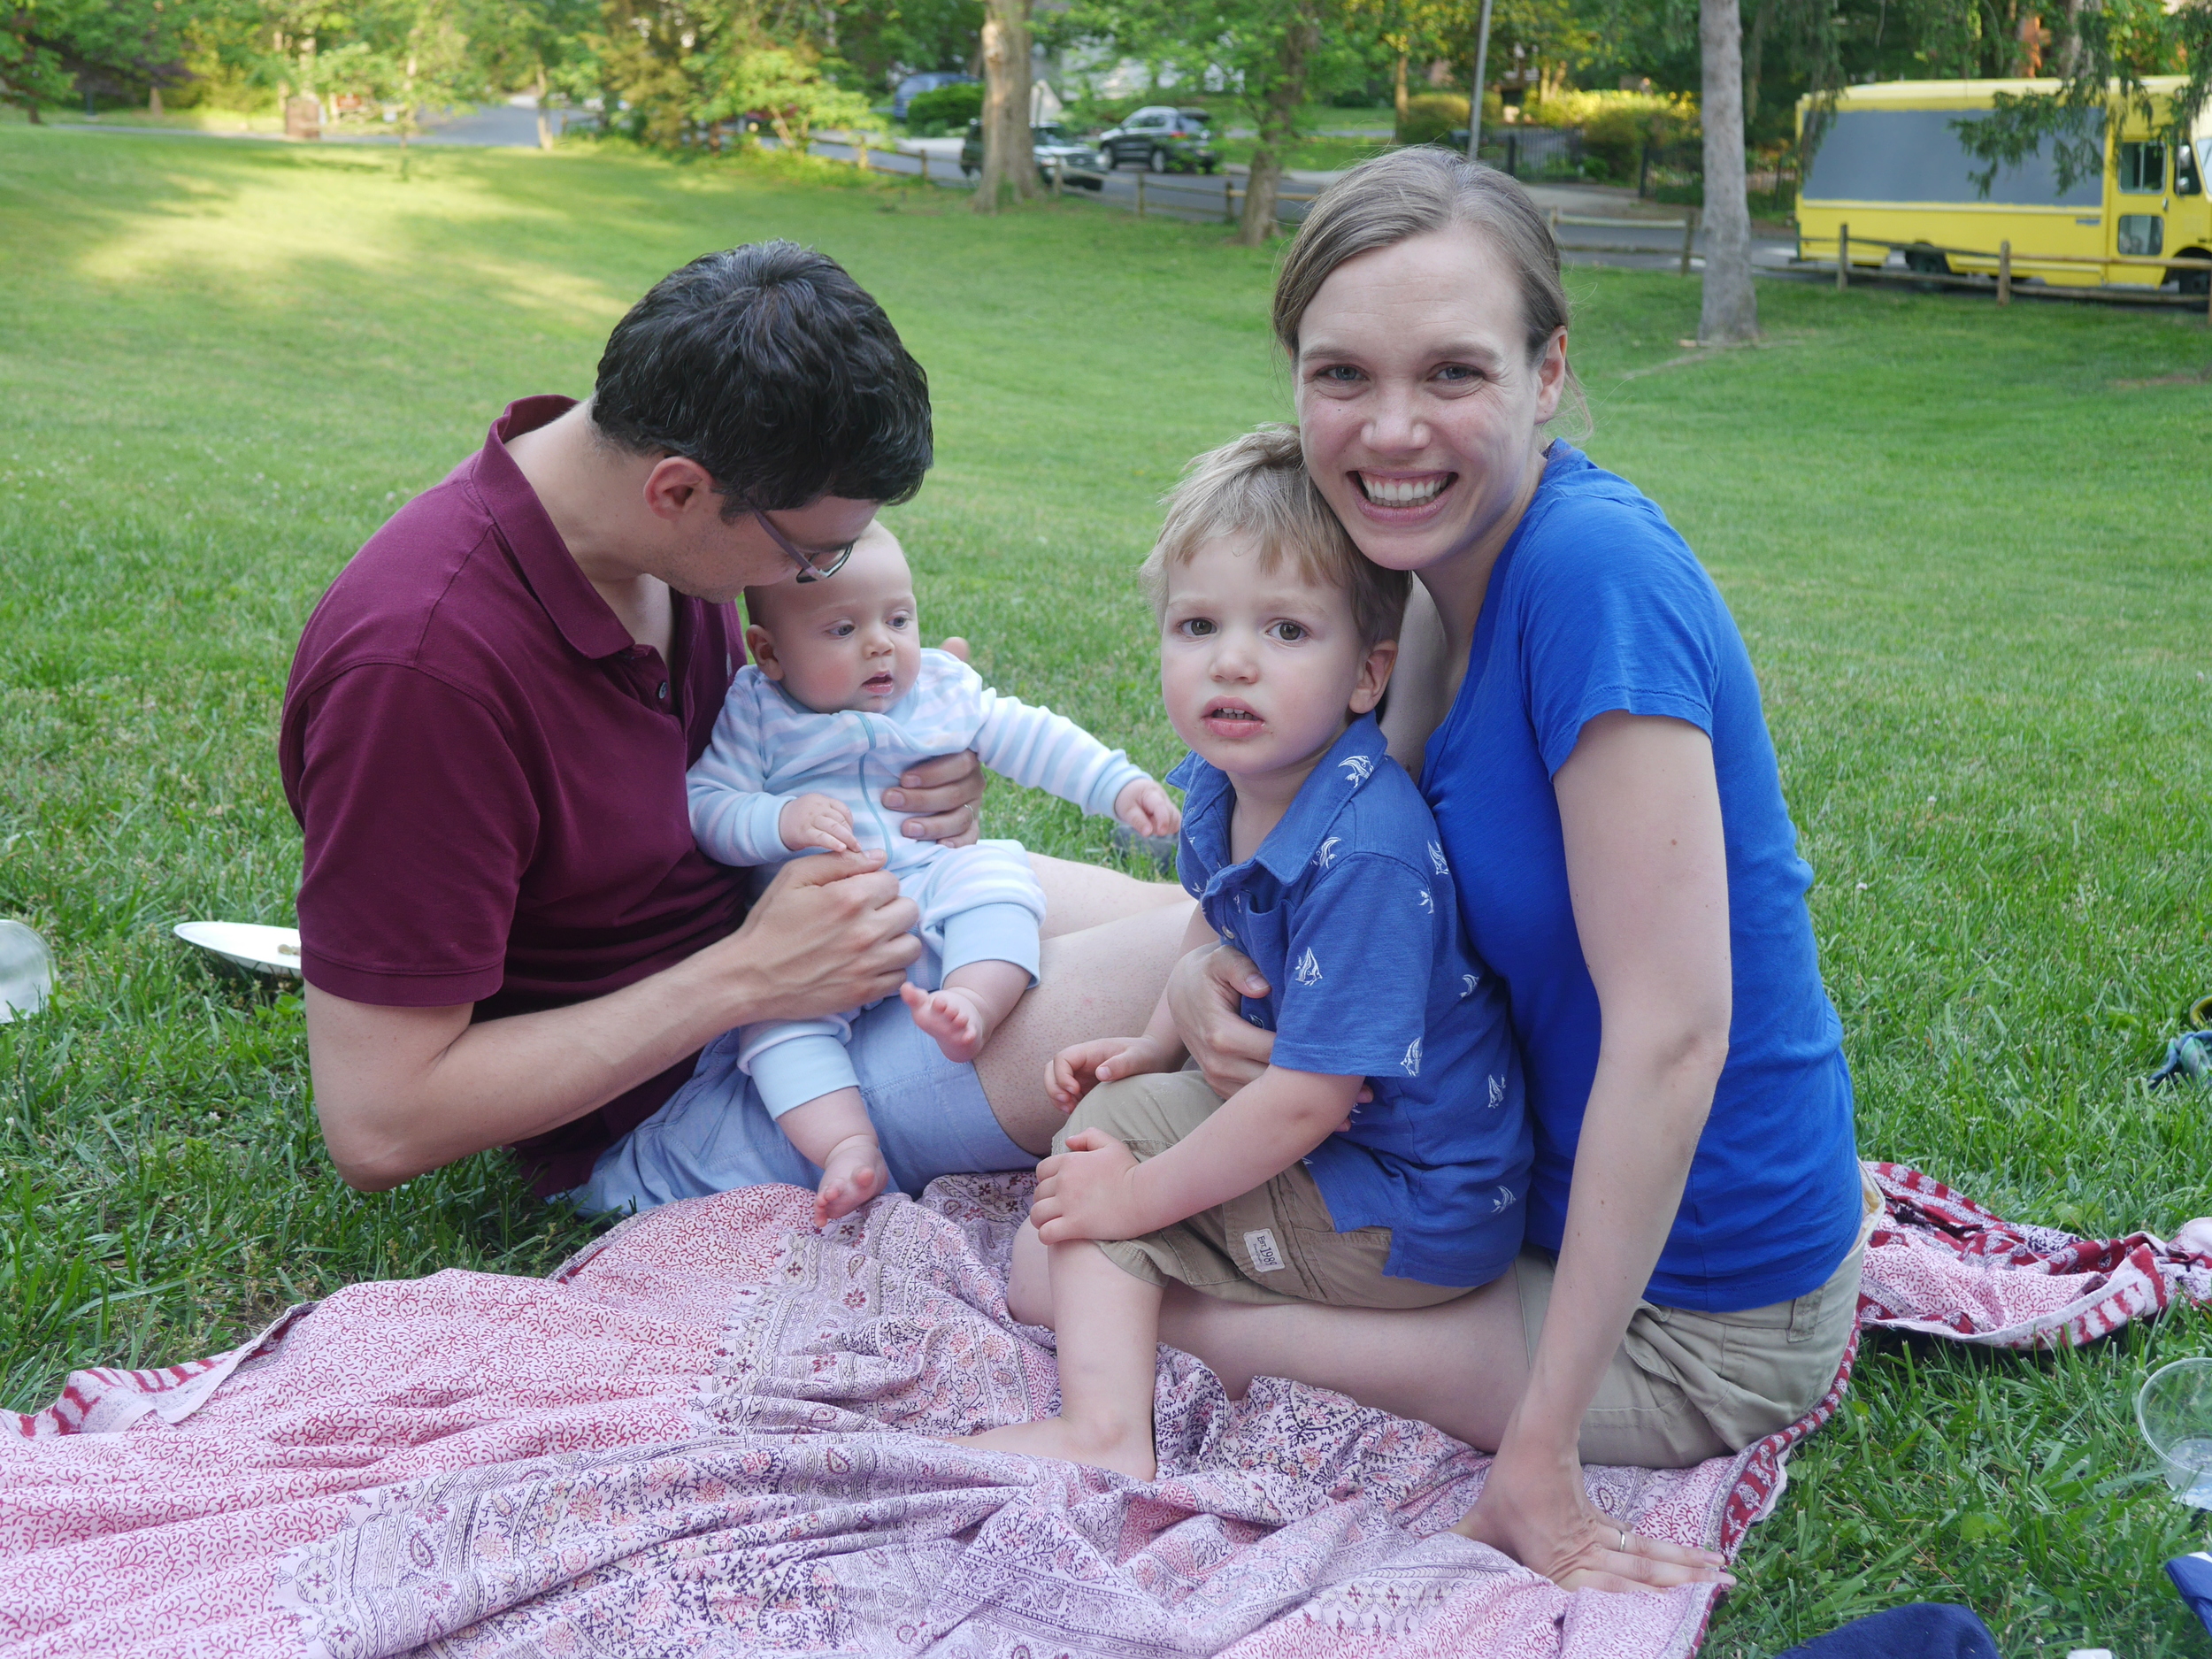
column 1338, row 374
column 1458, row 374
column 1289, row 633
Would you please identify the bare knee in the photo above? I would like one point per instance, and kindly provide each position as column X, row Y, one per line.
column 1029, row 1282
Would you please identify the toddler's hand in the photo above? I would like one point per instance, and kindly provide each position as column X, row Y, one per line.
column 1144, row 807
column 815, row 820
column 1087, row 1192
column 1073, row 1072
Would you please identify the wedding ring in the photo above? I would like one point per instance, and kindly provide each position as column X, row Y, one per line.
column 1624, row 1532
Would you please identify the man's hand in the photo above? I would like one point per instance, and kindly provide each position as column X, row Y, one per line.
column 829, row 933
column 1073, row 1072
column 1144, row 807
column 818, row 822
column 943, row 792
column 1088, row 1192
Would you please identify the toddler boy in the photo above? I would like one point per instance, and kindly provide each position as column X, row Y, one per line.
column 842, row 698
column 1310, row 850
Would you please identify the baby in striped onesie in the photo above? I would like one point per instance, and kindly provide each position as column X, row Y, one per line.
column 841, row 700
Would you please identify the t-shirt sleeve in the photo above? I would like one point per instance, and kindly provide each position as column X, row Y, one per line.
column 418, row 823
column 1361, row 952
column 1616, row 614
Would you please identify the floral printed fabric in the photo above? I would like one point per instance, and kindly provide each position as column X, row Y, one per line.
column 712, row 1435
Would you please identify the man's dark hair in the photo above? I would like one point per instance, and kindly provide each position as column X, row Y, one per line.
column 775, row 370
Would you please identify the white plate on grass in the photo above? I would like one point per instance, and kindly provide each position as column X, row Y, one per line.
column 274, row 951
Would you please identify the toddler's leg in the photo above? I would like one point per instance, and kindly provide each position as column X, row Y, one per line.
column 962, row 1013
column 833, row 1131
column 1108, row 1324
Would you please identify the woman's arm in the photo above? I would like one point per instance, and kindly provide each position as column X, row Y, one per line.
column 1640, row 810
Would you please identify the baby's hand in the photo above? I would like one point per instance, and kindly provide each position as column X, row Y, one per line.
column 1144, row 807
column 1075, row 1071
column 815, row 820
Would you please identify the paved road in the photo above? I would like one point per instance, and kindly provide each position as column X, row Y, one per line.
column 1202, row 198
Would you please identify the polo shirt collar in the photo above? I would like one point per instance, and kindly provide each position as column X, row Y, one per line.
column 1209, row 798
column 585, row 620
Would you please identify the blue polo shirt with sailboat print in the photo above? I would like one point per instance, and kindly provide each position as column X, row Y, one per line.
column 1348, row 911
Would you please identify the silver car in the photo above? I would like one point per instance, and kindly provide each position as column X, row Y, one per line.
column 1052, row 142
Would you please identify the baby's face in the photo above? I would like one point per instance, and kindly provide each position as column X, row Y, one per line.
column 850, row 641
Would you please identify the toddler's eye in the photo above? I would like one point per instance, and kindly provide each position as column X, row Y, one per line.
column 1195, row 628
column 1289, row 633
column 841, row 630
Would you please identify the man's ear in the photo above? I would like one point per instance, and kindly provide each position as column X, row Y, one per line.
column 675, row 485
column 1374, row 676
column 761, row 645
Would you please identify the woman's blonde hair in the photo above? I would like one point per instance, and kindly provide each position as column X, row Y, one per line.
column 1258, row 488
column 1413, row 192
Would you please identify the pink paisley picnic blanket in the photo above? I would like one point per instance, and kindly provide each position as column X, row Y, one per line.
column 711, row 1435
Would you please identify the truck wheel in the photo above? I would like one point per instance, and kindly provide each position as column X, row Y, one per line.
column 2192, row 281
column 1927, row 262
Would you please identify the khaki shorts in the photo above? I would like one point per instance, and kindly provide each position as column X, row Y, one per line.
column 1274, row 1245
column 1685, row 1386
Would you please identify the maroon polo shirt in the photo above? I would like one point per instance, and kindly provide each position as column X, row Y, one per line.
column 489, row 775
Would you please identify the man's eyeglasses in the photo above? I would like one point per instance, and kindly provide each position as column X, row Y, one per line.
column 813, row 567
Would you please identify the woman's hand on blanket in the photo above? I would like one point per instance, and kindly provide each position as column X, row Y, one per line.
column 816, row 821
column 1535, row 1509
column 1076, row 1069
column 1144, row 807
column 942, row 793
column 1088, row 1192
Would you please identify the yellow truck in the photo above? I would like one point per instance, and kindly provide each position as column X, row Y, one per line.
column 1890, row 174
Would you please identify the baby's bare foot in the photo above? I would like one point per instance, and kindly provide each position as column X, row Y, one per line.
column 852, row 1174
column 955, row 1017
column 1126, row 1449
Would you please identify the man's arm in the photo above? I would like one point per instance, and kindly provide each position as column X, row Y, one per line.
column 402, row 1090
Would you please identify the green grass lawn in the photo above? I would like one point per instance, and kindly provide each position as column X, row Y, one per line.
column 1967, row 547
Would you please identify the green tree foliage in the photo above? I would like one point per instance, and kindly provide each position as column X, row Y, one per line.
column 891, row 38
column 51, row 49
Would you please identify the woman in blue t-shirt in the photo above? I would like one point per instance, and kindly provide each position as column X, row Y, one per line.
column 1580, row 709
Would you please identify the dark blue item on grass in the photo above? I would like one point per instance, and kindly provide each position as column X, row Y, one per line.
column 1925, row 1630
column 2193, row 1577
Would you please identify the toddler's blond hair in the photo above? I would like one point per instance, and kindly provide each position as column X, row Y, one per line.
column 1258, row 486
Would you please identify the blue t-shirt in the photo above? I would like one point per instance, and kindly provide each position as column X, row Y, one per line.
column 1596, row 604
column 1347, row 910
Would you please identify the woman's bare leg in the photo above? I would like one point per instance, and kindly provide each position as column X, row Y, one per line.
column 1079, row 896
column 1101, row 981
column 1461, row 1366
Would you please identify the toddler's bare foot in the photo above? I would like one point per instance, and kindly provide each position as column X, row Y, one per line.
column 956, row 1017
column 1126, row 1449
column 852, row 1174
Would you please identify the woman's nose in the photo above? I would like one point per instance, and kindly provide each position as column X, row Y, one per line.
column 1395, row 424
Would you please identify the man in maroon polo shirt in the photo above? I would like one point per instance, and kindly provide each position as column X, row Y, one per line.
column 509, row 937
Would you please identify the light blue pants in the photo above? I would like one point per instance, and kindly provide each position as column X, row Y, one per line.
column 714, row 1134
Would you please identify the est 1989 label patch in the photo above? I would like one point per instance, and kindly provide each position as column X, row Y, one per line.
column 1259, row 1244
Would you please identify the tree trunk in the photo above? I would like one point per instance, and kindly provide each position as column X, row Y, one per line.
column 1010, row 156
column 545, row 121
column 1399, row 96
column 1278, row 124
column 1730, row 310
column 153, row 101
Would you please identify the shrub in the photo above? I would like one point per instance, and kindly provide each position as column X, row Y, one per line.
column 1430, row 116
column 944, row 109
column 1616, row 125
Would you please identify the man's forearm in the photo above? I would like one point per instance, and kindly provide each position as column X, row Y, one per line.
column 496, row 1081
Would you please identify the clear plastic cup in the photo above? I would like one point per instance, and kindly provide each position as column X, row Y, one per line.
column 27, row 970
column 2174, row 1411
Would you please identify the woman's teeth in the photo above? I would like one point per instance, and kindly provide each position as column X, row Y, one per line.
column 1401, row 492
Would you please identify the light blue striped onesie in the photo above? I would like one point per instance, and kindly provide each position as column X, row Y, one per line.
column 979, row 903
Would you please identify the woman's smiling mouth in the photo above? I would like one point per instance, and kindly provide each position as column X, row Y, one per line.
column 1416, row 490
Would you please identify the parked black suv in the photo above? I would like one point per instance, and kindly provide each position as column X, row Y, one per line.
column 1163, row 139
